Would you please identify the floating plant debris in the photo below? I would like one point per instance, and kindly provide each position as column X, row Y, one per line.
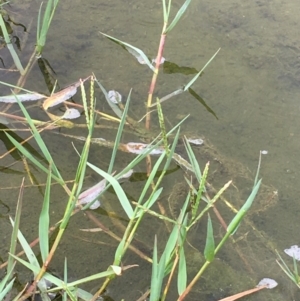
column 137, row 55
column 268, row 283
column 125, row 176
column 162, row 60
column 21, row 97
column 138, row 148
column 71, row 114
column 114, row 96
column 264, row 283
column 293, row 251
column 63, row 95
column 195, row 141
column 90, row 195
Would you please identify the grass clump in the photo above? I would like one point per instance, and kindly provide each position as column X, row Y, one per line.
column 169, row 262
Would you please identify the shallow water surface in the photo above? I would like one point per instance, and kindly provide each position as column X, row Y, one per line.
column 253, row 88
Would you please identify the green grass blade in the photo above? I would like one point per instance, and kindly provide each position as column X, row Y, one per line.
column 47, row 18
column 258, row 169
column 85, row 105
column 296, row 274
column 93, row 277
column 209, row 251
column 151, row 177
column 56, row 281
column 4, row 280
column 113, row 106
column 179, row 14
column 137, row 50
column 182, row 272
column 118, row 189
column 16, row 226
column 33, row 262
column 45, row 24
column 5, row 290
column 286, row 269
column 44, row 221
column 190, row 83
column 165, row 11
column 27, row 249
column 158, row 272
column 154, row 281
column 28, row 155
column 161, row 273
column 64, row 296
column 178, row 233
column 120, row 250
column 195, row 206
column 40, row 142
column 239, row 216
column 153, row 198
column 119, row 135
column 10, row 46
column 84, row 295
column 182, row 267
column 193, row 160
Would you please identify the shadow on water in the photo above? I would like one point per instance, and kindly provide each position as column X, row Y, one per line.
column 249, row 102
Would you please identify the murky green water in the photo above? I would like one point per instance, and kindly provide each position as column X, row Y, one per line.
column 252, row 86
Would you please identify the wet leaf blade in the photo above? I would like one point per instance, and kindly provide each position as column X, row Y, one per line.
column 113, row 106
column 137, row 50
column 21, row 97
column 191, row 82
column 179, row 14
column 44, row 221
column 234, row 224
column 119, row 134
column 41, row 144
column 182, row 272
column 27, row 249
column 209, row 250
column 4, row 287
column 118, row 189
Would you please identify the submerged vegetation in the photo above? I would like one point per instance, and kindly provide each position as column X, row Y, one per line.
column 196, row 212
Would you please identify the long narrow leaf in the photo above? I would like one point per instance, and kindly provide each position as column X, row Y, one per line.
column 27, row 249
column 41, row 142
column 44, row 221
column 193, row 160
column 182, row 272
column 118, row 189
column 154, row 296
column 209, row 251
column 179, row 14
column 8, row 287
column 113, row 106
column 186, row 87
column 29, row 156
column 137, row 50
column 9, row 45
column 119, row 134
column 14, row 235
column 150, row 178
column 239, row 216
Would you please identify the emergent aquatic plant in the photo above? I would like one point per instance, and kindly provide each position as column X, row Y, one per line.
column 200, row 199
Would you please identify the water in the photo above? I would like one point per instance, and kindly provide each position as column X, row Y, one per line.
column 252, row 86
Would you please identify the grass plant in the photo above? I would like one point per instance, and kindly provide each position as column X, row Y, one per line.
column 167, row 266
column 293, row 275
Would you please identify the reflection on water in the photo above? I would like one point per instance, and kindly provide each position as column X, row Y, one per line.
column 252, row 87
